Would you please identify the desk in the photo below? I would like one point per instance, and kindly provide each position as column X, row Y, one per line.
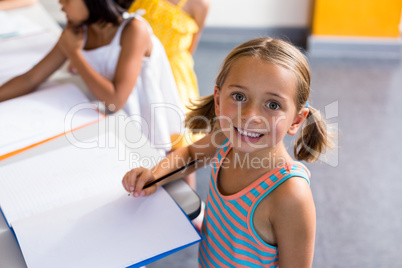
column 10, row 254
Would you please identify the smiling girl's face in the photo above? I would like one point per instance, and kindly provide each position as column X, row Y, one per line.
column 256, row 104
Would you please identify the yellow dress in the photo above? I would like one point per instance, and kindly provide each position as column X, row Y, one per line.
column 175, row 29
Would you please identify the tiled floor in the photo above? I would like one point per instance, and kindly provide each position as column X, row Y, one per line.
column 358, row 193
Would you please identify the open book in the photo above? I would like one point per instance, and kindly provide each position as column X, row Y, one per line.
column 22, row 45
column 67, row 208
column 14, row 25
column 33, row 118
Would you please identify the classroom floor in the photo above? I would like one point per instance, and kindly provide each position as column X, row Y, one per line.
column 357, row 190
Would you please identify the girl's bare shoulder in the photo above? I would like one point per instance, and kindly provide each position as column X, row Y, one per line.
column 293, row 196
column 136, row 37
column 136, row 27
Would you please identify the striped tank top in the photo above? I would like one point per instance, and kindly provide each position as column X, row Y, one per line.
column 229, row 237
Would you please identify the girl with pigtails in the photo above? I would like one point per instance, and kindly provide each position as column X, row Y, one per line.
column 259, row 209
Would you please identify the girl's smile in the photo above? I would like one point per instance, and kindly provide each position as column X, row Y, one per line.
column 248, row 135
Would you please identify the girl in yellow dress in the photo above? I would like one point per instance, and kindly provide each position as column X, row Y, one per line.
column 178, row 25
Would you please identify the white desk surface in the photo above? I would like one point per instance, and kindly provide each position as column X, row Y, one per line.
column 10, row 253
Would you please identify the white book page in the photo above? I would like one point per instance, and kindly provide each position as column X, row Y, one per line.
column 108, row 230
column 41, row 115
column 59, row 177
column 19, row 54
column 8, row 27
column 12, row 25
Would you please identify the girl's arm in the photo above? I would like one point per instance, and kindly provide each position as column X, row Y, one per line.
column 293, row 221
column 27, row 82
column 135, row 43
column 203, row 150
column 199, row 14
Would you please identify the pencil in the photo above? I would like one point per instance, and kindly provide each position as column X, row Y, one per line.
column 168, row 175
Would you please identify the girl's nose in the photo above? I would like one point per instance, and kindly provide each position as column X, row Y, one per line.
column 251, row 114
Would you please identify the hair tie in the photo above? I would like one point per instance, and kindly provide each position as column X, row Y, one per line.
column 307, row 105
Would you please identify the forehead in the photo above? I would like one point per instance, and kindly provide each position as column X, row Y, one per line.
column 254, row 72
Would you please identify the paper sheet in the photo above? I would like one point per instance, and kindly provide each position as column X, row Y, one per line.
column 59, row 177
column 110, row 230
column 16, row 25
column 19, row 54
column 41, row 115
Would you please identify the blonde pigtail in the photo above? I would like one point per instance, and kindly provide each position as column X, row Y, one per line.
column 314, row 138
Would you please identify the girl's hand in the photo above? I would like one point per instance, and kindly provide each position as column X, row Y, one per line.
column 71, row 40
column 72, row 69
column 135, row 179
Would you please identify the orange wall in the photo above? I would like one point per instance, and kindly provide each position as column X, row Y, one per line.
column 370, row 18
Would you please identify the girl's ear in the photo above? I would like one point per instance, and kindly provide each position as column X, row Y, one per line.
column 217, row 100
column 298, row 121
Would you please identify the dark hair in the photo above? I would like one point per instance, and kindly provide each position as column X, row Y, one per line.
column 106, row 11
column 314, row 138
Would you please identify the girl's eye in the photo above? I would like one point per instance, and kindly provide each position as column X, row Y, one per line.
column 238, row 97
column 273, row 105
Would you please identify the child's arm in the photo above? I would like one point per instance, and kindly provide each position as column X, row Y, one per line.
column 27, row 82
column 293, row 221
column 203, row 150
column 199, row 14
column 135, row 43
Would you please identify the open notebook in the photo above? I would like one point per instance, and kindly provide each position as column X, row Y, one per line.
column 67, row 208
column 34, row 118
column 22, row 45
column 17, row 25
